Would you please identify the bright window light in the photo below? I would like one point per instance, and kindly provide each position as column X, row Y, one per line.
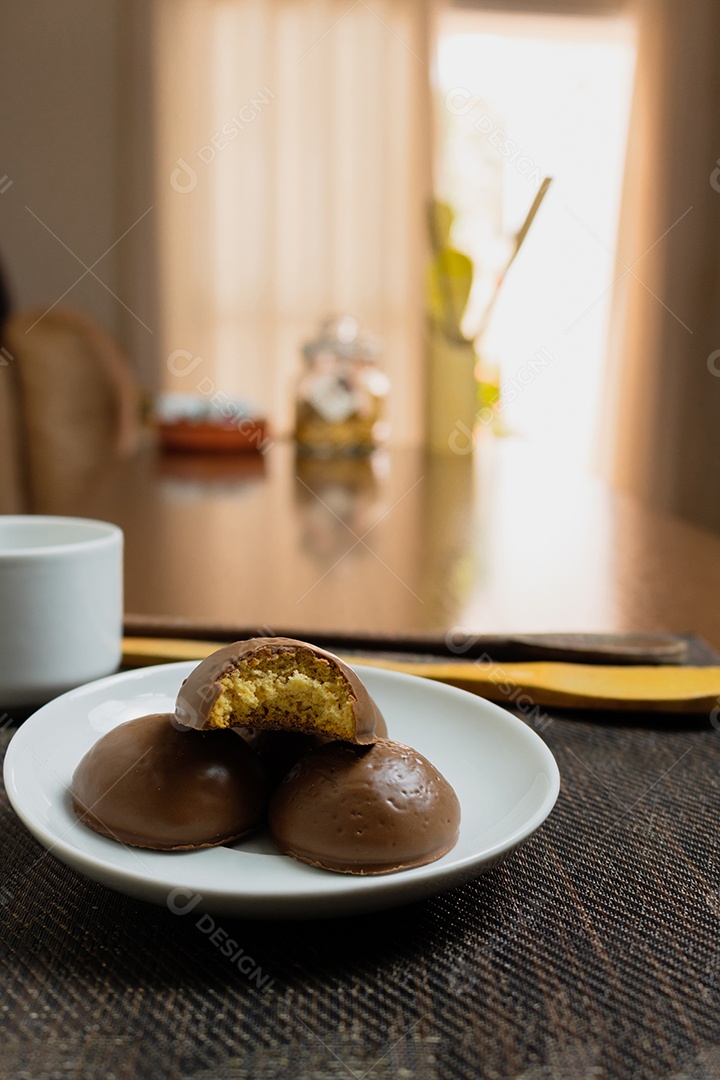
column 522, row 97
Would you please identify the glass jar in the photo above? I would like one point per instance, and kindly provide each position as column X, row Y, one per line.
column 342, row 393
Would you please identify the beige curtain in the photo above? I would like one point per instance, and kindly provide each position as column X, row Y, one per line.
column 293, row 168
column 663, row 408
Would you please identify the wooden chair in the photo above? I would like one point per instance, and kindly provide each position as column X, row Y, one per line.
column 68, row 408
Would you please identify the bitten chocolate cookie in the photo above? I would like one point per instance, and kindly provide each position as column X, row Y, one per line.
column 151, row 784
column 364, row 809
column 282, row 684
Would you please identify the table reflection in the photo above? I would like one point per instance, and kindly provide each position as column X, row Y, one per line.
column 402, row 542
column 338, row 501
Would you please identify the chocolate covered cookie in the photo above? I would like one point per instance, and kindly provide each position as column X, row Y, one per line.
column 151, row 784
column 281, row 684
column 364, row 809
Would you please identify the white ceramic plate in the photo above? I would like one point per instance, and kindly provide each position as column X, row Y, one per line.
column 505, row 777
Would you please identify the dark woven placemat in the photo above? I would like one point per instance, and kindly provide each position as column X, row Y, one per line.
column 592, row 952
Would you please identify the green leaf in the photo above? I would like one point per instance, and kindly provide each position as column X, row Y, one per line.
column 440, row 220
column 448, row 289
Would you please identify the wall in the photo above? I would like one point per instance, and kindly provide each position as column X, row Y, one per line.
column 59, row 147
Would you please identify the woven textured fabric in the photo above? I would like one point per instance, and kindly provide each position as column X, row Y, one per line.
column 592, row 952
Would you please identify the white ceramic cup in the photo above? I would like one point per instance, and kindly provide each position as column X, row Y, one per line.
column 61, row 605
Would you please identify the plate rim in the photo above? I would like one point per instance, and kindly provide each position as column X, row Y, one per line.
column 360, row 893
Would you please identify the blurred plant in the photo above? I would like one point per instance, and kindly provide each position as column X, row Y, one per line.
column 449, row 283
column 450, row 275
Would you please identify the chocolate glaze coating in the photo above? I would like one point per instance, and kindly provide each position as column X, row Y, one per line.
column 151, row 784
column 202, row 688
column 364, row 810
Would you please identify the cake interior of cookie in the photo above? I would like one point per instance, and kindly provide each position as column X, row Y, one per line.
column 297, row 691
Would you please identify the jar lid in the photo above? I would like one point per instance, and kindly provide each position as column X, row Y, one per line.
column 341, row 335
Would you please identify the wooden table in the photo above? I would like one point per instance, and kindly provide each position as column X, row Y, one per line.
column 500, row 541
column 591, row 951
